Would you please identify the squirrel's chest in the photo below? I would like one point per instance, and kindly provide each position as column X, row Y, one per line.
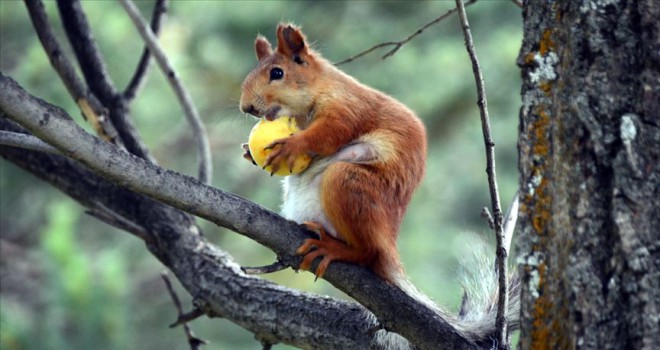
column 302, row 201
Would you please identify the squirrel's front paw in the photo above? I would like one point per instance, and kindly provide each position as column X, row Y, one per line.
column 246, row 153
column 284, row 150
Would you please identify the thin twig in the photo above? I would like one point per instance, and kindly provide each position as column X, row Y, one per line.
column 111, row 218
column 485, row 214
column 91, row 107
column 195, row 343
column 94, row 70
column 14, row 139
column 500, row 321
column 191, row 315
column 274, row 267
column 157, row 18
column 198, row 129
column 398, row 44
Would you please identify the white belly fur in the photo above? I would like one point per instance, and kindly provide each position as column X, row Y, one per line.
column 301, row 197
column 302, row 192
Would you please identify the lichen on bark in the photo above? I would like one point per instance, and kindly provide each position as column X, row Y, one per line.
column 589, row 176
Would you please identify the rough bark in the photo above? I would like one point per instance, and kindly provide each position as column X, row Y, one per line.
column 590, row 174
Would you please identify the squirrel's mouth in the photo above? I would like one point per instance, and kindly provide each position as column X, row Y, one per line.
column 271, row 113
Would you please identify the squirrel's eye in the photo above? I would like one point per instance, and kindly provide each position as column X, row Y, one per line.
column 276, row 74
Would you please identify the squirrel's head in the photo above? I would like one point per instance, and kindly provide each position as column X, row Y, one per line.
column 280, row 84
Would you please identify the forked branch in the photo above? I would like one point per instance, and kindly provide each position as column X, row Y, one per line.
column 98, row 80
column 91, row 108
column 398, row 44
column 197, row 127
column 502, row 253
column 157, row 18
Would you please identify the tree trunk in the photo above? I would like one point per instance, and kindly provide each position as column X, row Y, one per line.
column 590, row 174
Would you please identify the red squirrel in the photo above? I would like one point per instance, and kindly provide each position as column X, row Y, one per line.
column 369, row 151
column 369, row 154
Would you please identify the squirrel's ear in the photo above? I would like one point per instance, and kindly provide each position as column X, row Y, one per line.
column 262, row 48
column 291, row 42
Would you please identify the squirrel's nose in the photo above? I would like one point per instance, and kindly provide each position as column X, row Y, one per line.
column 250, row 109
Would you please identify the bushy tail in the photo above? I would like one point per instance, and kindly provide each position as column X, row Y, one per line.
column 476, row 316
column 478, row 310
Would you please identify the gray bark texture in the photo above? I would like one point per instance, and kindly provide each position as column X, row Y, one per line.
column 590, row 174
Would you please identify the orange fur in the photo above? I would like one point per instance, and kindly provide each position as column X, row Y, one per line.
column 363, row 194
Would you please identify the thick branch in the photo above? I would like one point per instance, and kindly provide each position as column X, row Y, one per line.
column 395, row 310
column 207, row 273
column 502, row 253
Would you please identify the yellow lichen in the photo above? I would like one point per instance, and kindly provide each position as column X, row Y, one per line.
column 541, row 332
column 546, row 87
column 546, row 44
column 529, row 58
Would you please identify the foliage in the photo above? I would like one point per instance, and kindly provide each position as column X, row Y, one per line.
column 92, row 286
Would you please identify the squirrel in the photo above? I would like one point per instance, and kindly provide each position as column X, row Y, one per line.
column 369, row 155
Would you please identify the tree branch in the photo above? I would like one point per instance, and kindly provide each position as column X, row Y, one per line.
column 395, row 310
column 157, row 18
column 502, row 307
column 269, row 311
column 274, row 267
column 14, row 139
column 197, row 127
column 194, row 342
column 91, row 107
column 398, row 44
column 97, row 78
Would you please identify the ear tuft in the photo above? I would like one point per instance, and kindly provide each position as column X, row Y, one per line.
column 291, row 42
column 262, row 48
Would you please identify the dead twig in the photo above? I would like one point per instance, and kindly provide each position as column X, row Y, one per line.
column 500, row 322
column 195, row 343
column 157, row 18
column 485, row 214
column 398, row 44
column 274, row 267
column 198, row 129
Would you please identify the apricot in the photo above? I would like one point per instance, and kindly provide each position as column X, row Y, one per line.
column 264, row 133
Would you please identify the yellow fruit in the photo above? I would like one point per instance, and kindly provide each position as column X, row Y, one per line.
column 264, row 133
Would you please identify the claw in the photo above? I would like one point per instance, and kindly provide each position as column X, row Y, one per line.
column 247, row 154
column 314, row 227
column 284, row 152
column 320, row 245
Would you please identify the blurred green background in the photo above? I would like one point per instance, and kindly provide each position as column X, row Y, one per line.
column 71, row 282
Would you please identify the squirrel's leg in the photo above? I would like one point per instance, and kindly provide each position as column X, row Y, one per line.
column 352, row 200
column 325, row 246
